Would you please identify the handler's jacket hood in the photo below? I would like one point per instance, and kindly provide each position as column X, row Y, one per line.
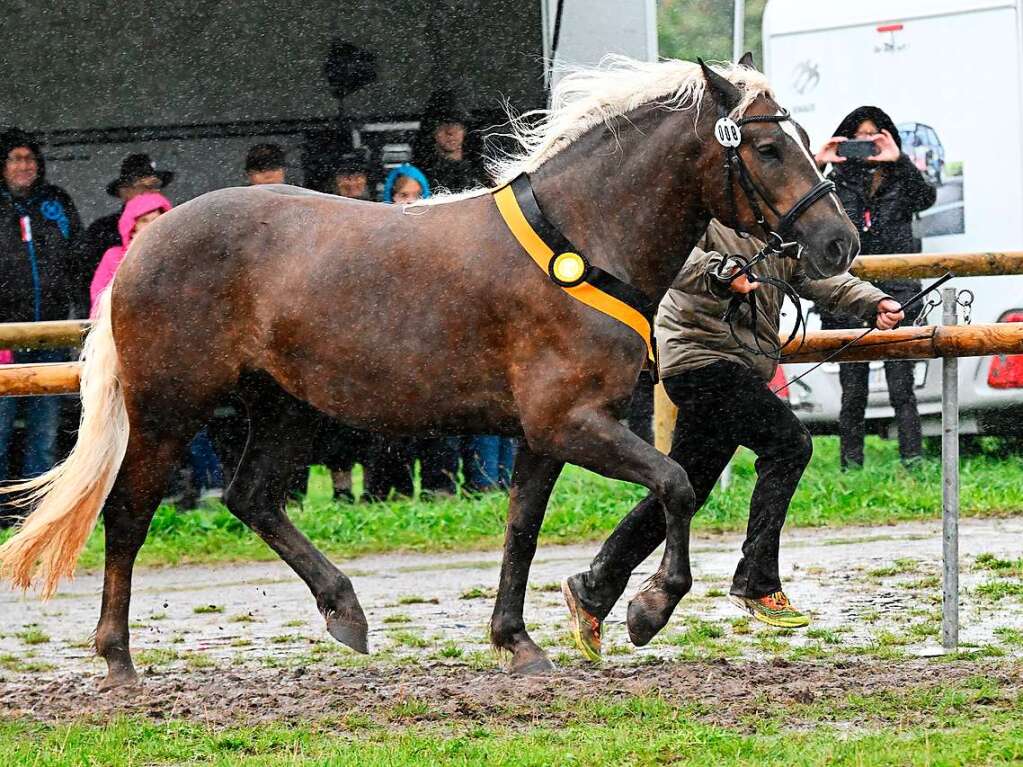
column 689, row 326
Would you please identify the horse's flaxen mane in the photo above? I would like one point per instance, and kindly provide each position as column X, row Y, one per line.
column 586, row 97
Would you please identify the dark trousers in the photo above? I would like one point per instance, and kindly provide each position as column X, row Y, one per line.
column 720, row 407
column 390, row 465
column 641, row 408
column 854, row 377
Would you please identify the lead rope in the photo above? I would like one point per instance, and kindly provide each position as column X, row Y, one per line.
column 913, row 300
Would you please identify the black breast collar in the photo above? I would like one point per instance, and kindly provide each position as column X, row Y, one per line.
column 568, row 268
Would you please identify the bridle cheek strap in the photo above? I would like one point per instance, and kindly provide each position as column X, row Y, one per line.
column 734, row 163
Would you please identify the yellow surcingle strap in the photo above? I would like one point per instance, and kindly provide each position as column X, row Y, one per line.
column 585, row 291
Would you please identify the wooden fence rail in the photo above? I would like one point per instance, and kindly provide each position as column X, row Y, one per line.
column 42, row 335
column 923, row 265
column 910, row 343
column 44, row 378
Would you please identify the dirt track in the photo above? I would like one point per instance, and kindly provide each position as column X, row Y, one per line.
column 245, row 642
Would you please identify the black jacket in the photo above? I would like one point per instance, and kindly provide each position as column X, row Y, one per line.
column 37, row 277
column 884, row 217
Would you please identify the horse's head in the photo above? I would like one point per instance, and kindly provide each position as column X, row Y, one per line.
column 770, row 173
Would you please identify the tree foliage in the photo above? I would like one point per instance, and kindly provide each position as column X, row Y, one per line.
column 687, row 29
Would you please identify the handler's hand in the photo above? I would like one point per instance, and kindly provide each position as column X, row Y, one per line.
column 889, row 314
column 742, row 285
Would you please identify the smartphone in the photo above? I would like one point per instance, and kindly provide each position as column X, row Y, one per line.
column 857, row 149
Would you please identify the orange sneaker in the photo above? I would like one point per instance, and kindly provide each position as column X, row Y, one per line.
column 585, row 627
column 774, row 609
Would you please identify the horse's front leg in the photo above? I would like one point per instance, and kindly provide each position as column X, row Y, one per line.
column 532, row 483
column 595, row 440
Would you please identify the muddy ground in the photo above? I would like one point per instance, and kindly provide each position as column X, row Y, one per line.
column 245, row 642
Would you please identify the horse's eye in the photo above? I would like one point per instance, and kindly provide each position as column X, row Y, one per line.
column 770, row 151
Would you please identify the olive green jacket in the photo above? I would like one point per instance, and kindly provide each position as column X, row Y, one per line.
column 689, row 326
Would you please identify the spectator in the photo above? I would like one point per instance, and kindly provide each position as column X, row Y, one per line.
column 724, row 400
column 139, row 175
column 440, row 150
column 406, row 183
column 264, row 164
column 336, row 445
column 140, row 211
column 880, row 195
column 39, row 231
column 351, row 176
column 440, row 146
column 390, row 461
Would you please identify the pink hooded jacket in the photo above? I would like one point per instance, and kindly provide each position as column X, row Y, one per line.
column 133, row 211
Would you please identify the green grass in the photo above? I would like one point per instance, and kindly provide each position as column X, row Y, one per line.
column 207, row 609
column 33, row 635
column 585, row 507
column 968, row 724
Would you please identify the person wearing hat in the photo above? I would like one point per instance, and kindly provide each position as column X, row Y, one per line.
column 351, row 176
column 265, row 164
column 39, row 231
column 439, row 149
column 880, row 194
column 139, row 175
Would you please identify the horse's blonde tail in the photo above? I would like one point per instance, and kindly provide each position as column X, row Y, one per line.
column 68, row 499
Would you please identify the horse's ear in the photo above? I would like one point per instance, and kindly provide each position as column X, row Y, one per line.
column 747, row 60
column 728, row 95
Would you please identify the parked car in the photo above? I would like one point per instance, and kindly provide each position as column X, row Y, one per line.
column 921, row 143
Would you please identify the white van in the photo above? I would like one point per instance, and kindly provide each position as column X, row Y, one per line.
column 949, row 74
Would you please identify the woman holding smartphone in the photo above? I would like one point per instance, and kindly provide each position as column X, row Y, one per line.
column 880, row 189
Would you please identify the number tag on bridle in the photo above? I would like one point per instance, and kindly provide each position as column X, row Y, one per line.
column 727, row 132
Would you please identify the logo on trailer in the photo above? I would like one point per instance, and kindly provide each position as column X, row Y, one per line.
column 891, row 45
column 806, row 76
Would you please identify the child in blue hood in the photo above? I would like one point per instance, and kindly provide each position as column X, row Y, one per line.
column 406, row 183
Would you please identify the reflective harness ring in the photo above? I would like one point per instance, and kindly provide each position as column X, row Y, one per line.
column 570, row 271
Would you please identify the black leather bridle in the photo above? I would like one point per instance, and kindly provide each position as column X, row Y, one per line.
column 774, row 237
column 735, row 167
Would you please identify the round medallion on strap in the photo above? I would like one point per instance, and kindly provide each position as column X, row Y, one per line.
column 568, row 269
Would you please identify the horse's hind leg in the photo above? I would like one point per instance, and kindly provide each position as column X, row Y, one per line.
column 279, row 440
column 127, row 513
column 532, row 483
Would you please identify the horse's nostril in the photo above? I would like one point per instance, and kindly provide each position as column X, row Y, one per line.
column 836, row 250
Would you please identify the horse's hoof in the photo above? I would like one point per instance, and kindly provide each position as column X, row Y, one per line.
column 123, row 677
column 533, row 666
column 354, row 634
column 649, row 612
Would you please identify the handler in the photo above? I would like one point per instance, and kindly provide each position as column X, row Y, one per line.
column 718, row 378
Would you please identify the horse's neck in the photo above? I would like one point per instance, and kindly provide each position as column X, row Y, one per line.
column 625, row 203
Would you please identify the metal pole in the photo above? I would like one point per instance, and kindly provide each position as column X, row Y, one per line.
column 738, row 29
column 950, row 485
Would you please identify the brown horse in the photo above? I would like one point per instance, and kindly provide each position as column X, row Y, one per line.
column 427, row 319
